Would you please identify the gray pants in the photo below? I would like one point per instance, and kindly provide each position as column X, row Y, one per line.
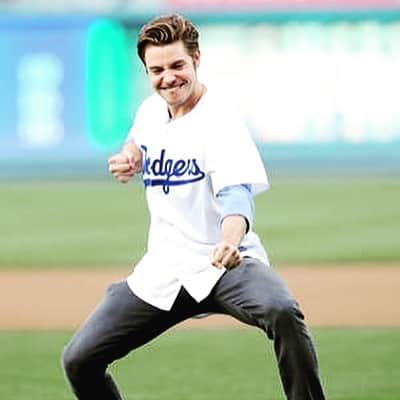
column 252, row 292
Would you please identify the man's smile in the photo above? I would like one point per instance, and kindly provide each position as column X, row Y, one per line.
column 172, row 88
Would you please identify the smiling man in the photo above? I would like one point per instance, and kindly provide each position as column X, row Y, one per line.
column 201, row 170
column 173, row 75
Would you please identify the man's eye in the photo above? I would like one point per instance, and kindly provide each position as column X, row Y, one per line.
column 179, row 66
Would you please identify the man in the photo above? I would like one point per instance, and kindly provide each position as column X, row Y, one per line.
column 200, row 169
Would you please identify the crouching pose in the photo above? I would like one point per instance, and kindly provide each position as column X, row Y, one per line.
column 201, row 170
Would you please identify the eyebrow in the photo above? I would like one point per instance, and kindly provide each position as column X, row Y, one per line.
column 173, row 64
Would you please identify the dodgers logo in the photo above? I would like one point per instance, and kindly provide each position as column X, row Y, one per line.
column 166, row 172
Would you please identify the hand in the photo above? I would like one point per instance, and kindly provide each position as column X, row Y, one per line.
column 225, row 255
column 124, row 165
column 135, row 158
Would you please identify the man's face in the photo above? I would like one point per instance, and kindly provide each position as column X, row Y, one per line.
column 172, row 72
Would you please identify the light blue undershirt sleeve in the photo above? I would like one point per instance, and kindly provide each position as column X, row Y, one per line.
column 237, row 200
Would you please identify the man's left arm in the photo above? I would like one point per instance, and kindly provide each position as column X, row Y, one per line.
column 237, row 215
column 226, row 252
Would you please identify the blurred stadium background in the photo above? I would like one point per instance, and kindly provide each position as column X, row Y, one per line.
column 317, row 80
column 319, row 85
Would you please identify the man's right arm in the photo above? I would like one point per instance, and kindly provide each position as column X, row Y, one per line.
column 125, row 164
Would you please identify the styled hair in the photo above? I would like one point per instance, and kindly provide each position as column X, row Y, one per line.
column 166, row 30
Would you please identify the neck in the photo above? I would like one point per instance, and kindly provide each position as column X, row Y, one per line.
column 176, row 112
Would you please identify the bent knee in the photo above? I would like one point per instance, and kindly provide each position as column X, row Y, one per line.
column 73, row 361
column 68, row 360
column 281, row 316
column 288, row 311
column 287, row 317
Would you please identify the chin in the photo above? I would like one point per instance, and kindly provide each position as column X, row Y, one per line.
column 175, row 101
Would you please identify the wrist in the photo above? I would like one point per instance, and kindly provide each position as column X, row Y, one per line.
column 233, row 229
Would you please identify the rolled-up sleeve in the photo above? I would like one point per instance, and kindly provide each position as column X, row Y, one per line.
column 237, row 200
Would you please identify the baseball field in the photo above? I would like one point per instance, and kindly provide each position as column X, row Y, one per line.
column 336, row 241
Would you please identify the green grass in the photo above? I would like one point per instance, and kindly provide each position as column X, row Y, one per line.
column 356, row 364
column 102, row 223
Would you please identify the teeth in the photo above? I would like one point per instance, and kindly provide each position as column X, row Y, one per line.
column 175, row 87
column 172, row 88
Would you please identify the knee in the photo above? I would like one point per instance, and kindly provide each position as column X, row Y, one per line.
column 73, row 362
column 287, row 314
column 284, row 316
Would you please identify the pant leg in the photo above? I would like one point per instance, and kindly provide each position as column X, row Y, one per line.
column 254, row 294
column 120, row 323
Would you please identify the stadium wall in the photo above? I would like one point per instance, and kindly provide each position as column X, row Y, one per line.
column 319, row 90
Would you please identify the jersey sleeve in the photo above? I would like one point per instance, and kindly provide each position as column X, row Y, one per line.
column 134, row 134
column 237, row 200
column 232, row 158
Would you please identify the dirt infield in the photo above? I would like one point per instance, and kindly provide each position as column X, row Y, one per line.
column 329, row 296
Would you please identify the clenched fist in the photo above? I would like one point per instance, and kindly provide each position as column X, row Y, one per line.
column 124, row 165
column 225, row 255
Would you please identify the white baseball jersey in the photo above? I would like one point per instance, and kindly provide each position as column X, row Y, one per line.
column 186, row 162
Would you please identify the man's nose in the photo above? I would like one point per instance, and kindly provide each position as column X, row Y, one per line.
column 169, row 78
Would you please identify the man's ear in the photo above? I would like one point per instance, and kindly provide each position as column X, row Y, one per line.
column 196, row 58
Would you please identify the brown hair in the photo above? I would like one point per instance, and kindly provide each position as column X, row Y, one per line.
column 166, row 30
